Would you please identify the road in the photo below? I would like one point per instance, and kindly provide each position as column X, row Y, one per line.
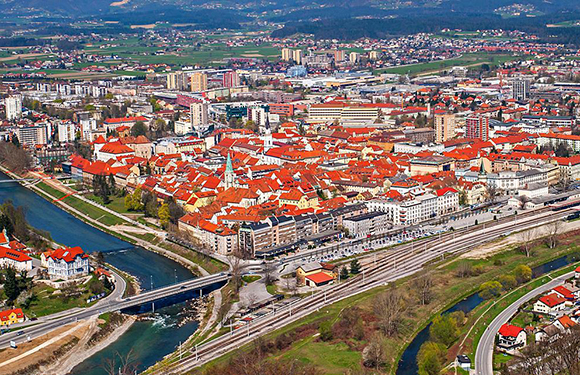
column 41, row 327
column 393, row 264
column 484, row 352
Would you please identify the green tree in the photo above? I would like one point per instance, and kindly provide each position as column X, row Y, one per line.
column 444, row 330
column 523, row 273
column 344, row 273
column 139, row 129
column 11, row 289
column 431, row 358
column 354, row 266
column 164, row 214
column 508, row 282
column 133, row 201
column 490, row 289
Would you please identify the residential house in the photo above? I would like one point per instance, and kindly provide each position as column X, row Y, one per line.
column 12, row 316
column 511, row 337
column 67, row 263
column 550, row 304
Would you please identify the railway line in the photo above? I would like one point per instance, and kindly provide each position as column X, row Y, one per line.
column 394, row 264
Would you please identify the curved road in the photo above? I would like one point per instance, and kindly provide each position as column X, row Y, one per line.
column 484, row 351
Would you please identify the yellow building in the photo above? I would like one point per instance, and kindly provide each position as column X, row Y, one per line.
column 198, row 82
column 313, row 268
column 9, row 317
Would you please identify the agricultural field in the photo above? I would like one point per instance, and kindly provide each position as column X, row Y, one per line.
column 472, row 60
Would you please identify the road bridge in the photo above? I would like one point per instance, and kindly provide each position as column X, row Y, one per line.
column 36, row 329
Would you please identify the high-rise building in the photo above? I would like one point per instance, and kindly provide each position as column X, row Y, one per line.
column 339, row 56
column 13, row 107
column 199, row 114
column 175, row 81
column 521, row 89
column 66, row 132
column 34, row 135
column 286, row 54
column 198, row 82
column 373, row 55
column 231, row 79
column 354, row 57
column 444, row 127
column 477, row 127
column 297, row 56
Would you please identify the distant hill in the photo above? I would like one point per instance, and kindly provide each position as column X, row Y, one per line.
column 293, row 10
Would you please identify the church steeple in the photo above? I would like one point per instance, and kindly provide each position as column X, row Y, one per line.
column 229, row 174
column 268, row 143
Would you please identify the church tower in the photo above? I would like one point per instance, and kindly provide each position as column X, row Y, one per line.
column 268, row 143
column 229, row 174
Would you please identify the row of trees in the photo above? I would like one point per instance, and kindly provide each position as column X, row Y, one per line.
column 168, row 212
column 491, row 289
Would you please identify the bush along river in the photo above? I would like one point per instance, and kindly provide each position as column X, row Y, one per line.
column 150, row 340
column 408, row 361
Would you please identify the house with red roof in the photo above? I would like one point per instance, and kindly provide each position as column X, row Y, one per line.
column 447, row 200
column 67, row 263
column 511, row 337
column 114, row 123
column 114, row 150
column 12, row 316
column 14, row 258
column 550, row 304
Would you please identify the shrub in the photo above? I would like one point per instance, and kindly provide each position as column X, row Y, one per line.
column 490, row 289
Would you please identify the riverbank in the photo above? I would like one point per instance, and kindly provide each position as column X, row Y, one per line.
column 57, row 199
column 151, row 339
column 85, row 348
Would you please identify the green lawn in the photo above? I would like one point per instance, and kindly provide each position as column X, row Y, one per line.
column 334, row 359
column 116, row 203
column 49, row 303
column 250, row 278
column 468, row 59
column 88, row 209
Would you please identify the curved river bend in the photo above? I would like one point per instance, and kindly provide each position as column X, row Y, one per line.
column 150, row 340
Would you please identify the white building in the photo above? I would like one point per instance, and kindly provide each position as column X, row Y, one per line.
column 66, row 132
column 199, row 114
column 416, row 210
column 34, row 135
column 15, row 259
column 13, row 107
column 67, row 263
column 366, row 224
column 510, row 181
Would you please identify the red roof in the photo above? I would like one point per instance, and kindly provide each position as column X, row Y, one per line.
column 552, row 300
column 563, row 292
column 121, row 120
column 16, row 255
column 116, row 148
column 320, row 278
column 4, row 314
column 509, row 330
column 68, row 254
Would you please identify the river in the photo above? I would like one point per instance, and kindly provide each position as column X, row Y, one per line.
column 148, row 267
column 408, row 362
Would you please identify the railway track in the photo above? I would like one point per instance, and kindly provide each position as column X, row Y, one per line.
column 394, row 264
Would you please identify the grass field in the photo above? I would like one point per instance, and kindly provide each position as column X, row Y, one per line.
column 207, row 54
column 93, row 212
column 472, row 60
